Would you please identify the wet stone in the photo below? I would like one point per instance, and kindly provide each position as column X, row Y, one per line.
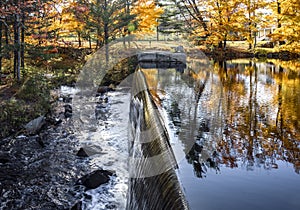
column 87, row 151
column 95, row 179
column 111, row 206
column 54, row 120
column 35, row 125
column 67, row 99
column 68, row 111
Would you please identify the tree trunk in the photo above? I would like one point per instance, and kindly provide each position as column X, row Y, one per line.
column 106, row 35
column 278, row 19
column 6, row 33
column 79, row 39
column 220, row 45
column 23, row 42
column 254, row 33
column 17, row 48
column 278, row 13
column 90, row 41
column 250, row 25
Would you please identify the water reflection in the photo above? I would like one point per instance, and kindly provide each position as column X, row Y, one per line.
column 246, row 114
column 261, row 121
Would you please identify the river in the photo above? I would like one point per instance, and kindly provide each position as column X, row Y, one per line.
column 233, row 127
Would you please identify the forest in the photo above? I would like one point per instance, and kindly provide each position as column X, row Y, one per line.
column 52, row 38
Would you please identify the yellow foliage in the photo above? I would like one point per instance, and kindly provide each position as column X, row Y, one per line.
column 147, row 14
column 289, row 19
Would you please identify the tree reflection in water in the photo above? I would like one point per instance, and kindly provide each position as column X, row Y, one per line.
column 247, row 113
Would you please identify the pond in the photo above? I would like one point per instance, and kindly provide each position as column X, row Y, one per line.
column 238, row 125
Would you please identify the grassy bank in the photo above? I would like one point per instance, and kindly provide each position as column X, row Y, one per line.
column 20, row 102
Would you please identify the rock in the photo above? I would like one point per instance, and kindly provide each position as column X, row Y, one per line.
column 68, row 111
column 35, row 125
column 104, row 89
column 111, row 206
column 89, row 151
column 105, row 100
column 82, row 153
column 68, row 108
column 77, row 206
column 57, row 121
column 95, row 179
column 4, row 158
column 179, row 49
column 38, row 139
column 67, row 99
column 54, row 121
column 87, row 197
column 68, row 114
column 40, row 142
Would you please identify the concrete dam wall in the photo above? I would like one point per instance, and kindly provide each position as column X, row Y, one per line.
column 153, row 183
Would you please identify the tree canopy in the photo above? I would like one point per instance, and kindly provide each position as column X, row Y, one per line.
column 29, row 28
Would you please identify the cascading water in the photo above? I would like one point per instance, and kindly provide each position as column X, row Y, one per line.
column 153, row 181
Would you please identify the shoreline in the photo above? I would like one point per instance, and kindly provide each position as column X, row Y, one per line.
column 231, row 53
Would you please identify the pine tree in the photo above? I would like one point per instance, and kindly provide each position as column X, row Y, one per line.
column 170, row 21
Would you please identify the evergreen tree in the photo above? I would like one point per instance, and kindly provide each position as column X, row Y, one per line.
column 171, row 21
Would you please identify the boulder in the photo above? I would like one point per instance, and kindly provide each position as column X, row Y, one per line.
column 95, row 179
column 68, row 111
column 87, row 151
column 35, row 125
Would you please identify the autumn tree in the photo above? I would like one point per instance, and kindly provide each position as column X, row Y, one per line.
column 224, row 21
column 12, row 15
column 147, row 14
column 252, row 19
column 286, row 14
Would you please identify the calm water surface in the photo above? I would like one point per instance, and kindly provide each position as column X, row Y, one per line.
column 235, row 129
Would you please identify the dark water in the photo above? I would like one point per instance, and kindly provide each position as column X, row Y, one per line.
column 238, row 124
